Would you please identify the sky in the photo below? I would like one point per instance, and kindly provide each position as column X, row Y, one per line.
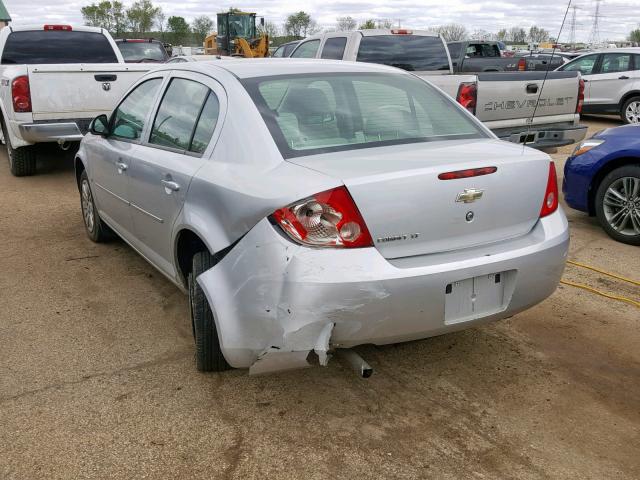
column 617, row 17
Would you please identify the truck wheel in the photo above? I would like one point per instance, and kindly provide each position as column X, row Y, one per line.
column 631, row 111
column 618, row 204
column 22, row 161
column 209, row 357
column 96, row 230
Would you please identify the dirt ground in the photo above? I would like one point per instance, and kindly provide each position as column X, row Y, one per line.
column 97, row 376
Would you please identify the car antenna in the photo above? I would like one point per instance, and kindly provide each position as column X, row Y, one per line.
column 544, row 80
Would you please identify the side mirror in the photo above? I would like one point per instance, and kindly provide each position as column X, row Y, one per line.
column 262, row 21
column 100, row 126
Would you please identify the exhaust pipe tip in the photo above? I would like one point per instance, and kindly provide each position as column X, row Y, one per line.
column 64, row 145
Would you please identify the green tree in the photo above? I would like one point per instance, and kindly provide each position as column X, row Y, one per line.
column 106, row 14
column 634, row 36
column 368, row 24
column 298, row 24
column 142, row 15
column 179, row 29
column 518, row 35
column 452, row 32
column 201, row 26
column 502, row 35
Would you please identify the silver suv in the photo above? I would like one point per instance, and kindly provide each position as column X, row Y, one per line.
column 612, row 82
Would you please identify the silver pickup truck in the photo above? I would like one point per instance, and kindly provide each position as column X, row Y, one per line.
column 505, row 102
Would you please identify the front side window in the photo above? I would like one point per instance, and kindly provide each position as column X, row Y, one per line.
column 334, row 48
column 128, row 119
column 178, row 113
column 615, row 62
column 409, row 52
column 289, row 47
column 279, row 52
column 318, row 113
column 307, row 49
column 584, row 65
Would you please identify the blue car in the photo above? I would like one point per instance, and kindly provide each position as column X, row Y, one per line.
column 602, row 178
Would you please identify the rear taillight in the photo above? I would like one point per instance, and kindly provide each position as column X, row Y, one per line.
column 522, row 65
column 66, row 28
column 580, row 96
column 327, row 219
column 21, row 94
column 401, row 31
column 467, row 96
column 550, row 203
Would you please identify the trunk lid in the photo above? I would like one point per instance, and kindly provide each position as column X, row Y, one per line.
column 79, row 90
column 410, row 211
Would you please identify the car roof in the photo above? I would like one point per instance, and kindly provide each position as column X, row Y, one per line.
column 618, row 50
column 267, row 67
column 137, row 40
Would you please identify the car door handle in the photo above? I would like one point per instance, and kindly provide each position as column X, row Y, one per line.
column 623, row 77
column 170, row 186
column 122, row 167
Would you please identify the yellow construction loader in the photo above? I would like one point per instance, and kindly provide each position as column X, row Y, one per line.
column 237, row 35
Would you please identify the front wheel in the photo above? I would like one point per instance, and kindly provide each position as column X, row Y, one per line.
column 618, row 204
column 631, row 111
column 96, row 230
column 209, row 357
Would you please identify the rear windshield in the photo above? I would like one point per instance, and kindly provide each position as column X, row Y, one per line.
column 318, row 113
column 134, row 52
column 57, row 46
column 409, row 52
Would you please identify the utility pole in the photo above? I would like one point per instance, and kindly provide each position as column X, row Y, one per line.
column 594, row 38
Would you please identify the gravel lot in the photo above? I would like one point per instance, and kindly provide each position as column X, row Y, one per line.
column 97, row 377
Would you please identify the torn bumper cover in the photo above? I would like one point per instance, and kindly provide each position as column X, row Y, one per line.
column 275, row 301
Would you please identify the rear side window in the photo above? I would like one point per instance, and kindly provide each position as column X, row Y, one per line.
column 289, row 48
column 307, row 49
column 317, row 113
column 57, row 46
column 409, row 52
column 616, row 62
column 206, row 124
column 178, row 113
column 128, row 119
column 334, row 48
column 279, row 52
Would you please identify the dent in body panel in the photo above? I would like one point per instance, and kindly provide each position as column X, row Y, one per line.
column 272, row 303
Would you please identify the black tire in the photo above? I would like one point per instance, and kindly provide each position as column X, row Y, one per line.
column 96, row 229
column 603, row 211
column 22, row 161
column 209, row 357
column 623, row 111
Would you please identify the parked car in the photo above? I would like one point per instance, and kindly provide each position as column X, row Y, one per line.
column 55, row 79
column 285, row 49
column 505, row 102
column 480, row 56
column 542, row 61
column 612, row 79
column 602, row 178
column 368, row 207
column 142, row 50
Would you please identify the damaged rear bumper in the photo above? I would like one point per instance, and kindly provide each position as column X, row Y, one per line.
column 275, row 301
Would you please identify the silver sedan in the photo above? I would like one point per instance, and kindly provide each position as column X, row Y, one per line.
column 309, row 206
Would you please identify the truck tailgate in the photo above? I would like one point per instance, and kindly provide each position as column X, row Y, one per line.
column 504, row 96
column 79, row 90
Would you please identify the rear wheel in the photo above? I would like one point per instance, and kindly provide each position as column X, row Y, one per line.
column 618, row 204
column 22, row 161
column 209, row 357
column 631, row 111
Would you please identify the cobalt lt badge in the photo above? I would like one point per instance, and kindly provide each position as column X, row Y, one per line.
column 106, row 86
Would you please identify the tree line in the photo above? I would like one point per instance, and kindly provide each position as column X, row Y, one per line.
column 143, row 17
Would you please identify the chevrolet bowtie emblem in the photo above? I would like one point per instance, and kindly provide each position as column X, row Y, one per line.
column 469, row 195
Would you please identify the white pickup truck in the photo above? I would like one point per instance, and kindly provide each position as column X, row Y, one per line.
column 54, row 79
column 521, row 107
